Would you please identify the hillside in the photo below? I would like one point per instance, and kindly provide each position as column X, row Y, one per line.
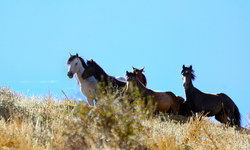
column 49, row 122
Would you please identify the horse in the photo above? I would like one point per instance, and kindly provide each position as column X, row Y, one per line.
column 76, row 65
column 103, row 79
column 218, row 105
column 163, row 101
column 140, row 76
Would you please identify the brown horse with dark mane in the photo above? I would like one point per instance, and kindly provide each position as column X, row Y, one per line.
column 218, row 105
column 142, row 78
column 164, row 101
column 103, row 79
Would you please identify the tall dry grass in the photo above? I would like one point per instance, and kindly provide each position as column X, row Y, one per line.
column 49, row 122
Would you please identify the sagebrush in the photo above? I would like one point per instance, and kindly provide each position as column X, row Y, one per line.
column 50, row 122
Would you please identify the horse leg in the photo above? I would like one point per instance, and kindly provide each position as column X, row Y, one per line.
column 90, row 101
column 190, row 115
column 175, row 109
column 222, row 117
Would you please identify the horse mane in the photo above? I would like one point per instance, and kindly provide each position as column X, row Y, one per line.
column 101, row 75
column 144, row 79
column 83, row 62
column 76, row 56
column 98, row 66
column 192, row 74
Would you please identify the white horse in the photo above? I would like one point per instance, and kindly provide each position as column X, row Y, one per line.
column 76, row 65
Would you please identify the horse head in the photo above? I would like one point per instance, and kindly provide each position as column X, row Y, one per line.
column 187, row 76
column 131, row 81
column 75, row 63
column 140, row 76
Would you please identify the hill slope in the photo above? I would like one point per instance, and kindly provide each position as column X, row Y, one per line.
column 48, row 122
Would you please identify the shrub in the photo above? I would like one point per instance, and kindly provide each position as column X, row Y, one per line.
column 114, row 122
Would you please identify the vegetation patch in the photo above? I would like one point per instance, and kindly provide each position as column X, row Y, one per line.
column 116, row 122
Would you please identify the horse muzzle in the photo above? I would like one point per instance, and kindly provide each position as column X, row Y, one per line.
column 70, row 75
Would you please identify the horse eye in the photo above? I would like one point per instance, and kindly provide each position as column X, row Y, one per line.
column 75, row 63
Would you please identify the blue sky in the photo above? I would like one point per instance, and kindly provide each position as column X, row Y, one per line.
column 37, row 36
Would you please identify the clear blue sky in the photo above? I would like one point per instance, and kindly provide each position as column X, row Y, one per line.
column 37, row 36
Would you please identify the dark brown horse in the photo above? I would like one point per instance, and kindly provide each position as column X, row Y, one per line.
column 140, row 76
column 164, row 101
column 218, row 105
column 103, row 79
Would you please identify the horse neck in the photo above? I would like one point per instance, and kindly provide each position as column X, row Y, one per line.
column 80, row 71
column 100, row 74
column 190, row 91
column 140, row 79
column 141, row 87
column 79, row 74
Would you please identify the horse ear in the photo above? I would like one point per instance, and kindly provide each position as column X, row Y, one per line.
column 142, row 69
column 87, row 62
column 76, row 54
column 133, row 67
column 190, row 67
column 126, row 73
column 183, row 66
column 90, row 61
column 70, row 55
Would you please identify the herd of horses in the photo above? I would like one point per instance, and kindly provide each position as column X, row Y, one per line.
column 92, row 79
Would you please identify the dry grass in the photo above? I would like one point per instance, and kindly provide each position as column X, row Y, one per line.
column 48, row 122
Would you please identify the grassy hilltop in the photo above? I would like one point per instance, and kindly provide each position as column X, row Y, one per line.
column 48, row 122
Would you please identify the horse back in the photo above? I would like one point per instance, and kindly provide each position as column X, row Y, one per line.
column 198, row 101
column 227, row 101
column 170, row 99
column 163, row 96
column 224, row 97
column 172, row 96
column 115, row 82
column 160, row 99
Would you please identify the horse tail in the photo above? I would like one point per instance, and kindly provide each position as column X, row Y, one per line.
column 230, row 107
column 175, row 104
column 237, row 116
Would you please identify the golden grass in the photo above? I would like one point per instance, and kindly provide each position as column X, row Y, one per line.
column 48, row 122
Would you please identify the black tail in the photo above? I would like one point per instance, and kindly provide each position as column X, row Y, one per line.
column 237, row 117
column 231, row 110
